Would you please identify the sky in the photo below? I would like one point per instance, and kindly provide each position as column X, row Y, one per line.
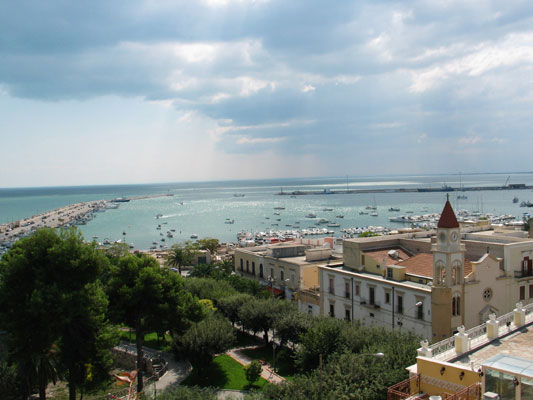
column 135, row 91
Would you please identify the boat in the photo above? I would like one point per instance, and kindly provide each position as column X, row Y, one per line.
column 462, row 197
column 120, row 200
column 409, row 212
column 158, row 216
column 194, row 236
column 373, row 213
column 169, row 234
column 322, row 221
column 310, row 215
column 327, row 209
column 238, row 195
column 276, row 213
column 363, row 213
column 229, row 221
column 279, row 208
column 339, row 216
column 393, row 209
column 515, row 199
column 333, row 225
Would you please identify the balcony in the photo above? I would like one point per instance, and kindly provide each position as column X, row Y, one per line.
column 410, row 389
column 523, row 273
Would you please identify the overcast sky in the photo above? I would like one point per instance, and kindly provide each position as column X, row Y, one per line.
column 154, row 91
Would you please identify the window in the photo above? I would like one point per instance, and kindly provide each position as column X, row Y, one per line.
column 347, row 314
column 362, row 259
column 253, row 267
column 282, row 276
column 389, row 273
column 331, row 287
column 242, row 268
column 247, row 266
column 292, row 278
column 522, row 292
column 371, row 295
column 261, row 270
column 272, row 273
column 347, row 289
column 456, row 305
column 387, row 297
column 420, row 312
column 456, row 273
column 357, row 290
column 309, row 309
column 400, row 304
column 487, row 294
column 332, row 310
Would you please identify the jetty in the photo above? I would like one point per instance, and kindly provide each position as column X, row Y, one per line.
column 445, row 188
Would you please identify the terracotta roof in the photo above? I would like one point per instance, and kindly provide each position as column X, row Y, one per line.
column 422, row 264
column 447, row 217
column 378, row 255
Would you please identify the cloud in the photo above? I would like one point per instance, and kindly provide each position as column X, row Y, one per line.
column 298, row 77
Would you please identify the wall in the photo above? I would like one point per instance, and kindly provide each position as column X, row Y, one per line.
column 441, row 308
column 433, row 383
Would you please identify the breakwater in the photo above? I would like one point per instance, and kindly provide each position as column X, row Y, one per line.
column 403, row 190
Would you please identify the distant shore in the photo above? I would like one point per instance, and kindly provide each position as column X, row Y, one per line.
column 59, row 217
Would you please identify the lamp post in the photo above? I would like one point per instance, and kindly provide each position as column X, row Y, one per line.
column 400, row 323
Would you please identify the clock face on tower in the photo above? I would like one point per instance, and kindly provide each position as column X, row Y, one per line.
column 454, row 236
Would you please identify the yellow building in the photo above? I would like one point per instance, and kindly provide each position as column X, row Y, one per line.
column 490, row 361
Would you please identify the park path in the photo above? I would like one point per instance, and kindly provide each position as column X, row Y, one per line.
column 266, row 372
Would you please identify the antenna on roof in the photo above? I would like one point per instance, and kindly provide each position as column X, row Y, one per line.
column 447, row 196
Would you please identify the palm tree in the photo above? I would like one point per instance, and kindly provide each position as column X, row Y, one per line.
column 180, row 255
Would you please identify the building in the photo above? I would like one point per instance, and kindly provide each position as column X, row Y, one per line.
column 430, row 283
column 289, row 269
column 490, row 361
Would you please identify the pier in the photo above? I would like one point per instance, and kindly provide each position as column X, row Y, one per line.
column 518, row 186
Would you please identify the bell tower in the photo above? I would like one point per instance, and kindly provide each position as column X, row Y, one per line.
column 448, row 275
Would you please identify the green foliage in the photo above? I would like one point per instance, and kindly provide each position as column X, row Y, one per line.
column 252, row 372
column 188, row 393
column 209, row 288
column 210, row 244
column 181, row 255
column 53, row 306
column 203, row 340
column 147, row 297
column 290, row 326
column 208, row 305
column 368, row 234
column 259, row 315
column 284, row 359
column 229, row 306
column 322, row 338
column 9, row 381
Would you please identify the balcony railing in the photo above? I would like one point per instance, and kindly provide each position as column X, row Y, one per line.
column 523, row 273
column 472, row 392
column 406, row 389
column 444, row 349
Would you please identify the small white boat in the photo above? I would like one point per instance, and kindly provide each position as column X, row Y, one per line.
column 194, row 236
column 374, row 214
column 310, row 215
column 333, row 225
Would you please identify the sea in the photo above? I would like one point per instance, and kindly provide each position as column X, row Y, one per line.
column 204, row 208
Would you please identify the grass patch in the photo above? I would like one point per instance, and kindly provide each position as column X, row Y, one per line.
column 150, row 340
column 223, row 373
column 284, row 359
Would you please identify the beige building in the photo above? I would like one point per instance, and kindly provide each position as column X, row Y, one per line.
column 287, row 268
column 431, row 283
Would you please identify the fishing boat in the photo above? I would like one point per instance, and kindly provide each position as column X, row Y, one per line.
column 339, row 216
column 393, row 209
column 310, row 215
column 194, row 236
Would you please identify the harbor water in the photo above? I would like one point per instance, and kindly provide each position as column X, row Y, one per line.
column 222, row 209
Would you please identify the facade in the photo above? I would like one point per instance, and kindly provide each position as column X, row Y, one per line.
column 490, row 361
column 286, row 268
column 432, row 283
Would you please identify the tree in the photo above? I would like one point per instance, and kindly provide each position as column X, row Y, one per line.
column 181, row 255
column 259, row 314
column 141, row 293
column 204, row 339
column 49, row 286
column 209, row 244
column 9, row 381
column 290, row 326
column 229, row 306
column 253, row 372
column 208, row 288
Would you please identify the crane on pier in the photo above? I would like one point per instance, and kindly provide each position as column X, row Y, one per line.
column 507, row 181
